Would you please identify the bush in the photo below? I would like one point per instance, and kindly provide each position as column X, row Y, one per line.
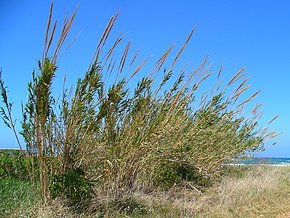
column 13, row 164
column 72, row 186
column 169, row 174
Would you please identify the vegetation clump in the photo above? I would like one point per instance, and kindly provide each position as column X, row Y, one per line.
column 108, row 139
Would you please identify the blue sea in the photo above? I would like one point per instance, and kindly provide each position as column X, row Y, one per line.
column 264, row 160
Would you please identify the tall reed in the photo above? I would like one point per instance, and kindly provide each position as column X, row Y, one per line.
column 121, row 137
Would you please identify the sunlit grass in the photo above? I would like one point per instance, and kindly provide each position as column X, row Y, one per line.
column 261, row 191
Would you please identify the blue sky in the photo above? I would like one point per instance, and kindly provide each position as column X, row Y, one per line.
column 247, row 33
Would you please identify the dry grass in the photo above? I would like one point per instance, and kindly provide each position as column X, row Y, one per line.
column 260, row 191
column 263, row 191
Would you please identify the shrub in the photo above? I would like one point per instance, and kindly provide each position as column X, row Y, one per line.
column 14, row 165
column 72, row 186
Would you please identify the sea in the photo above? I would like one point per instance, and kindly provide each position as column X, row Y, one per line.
column 275, row 161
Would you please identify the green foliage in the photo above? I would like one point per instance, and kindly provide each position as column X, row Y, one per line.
column 72, row 186
column 14, row 165
column 170, row 174
column 166, row 177
column 4, row 114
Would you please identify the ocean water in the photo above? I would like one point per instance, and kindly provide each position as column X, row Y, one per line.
column 265, row 160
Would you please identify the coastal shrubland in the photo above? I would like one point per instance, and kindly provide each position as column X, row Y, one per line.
column 103, row 147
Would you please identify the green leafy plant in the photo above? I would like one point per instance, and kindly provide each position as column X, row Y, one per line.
column 72, row 186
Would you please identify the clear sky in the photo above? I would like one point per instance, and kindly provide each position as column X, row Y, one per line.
column 255, row 34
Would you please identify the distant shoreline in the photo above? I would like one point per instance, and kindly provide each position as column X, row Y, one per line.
column 270, row 161
column 257, row 164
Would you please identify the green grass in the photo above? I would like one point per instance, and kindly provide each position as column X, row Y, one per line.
column 16, row 196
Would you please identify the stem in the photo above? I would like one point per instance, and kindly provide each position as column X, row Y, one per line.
column 13, row 129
